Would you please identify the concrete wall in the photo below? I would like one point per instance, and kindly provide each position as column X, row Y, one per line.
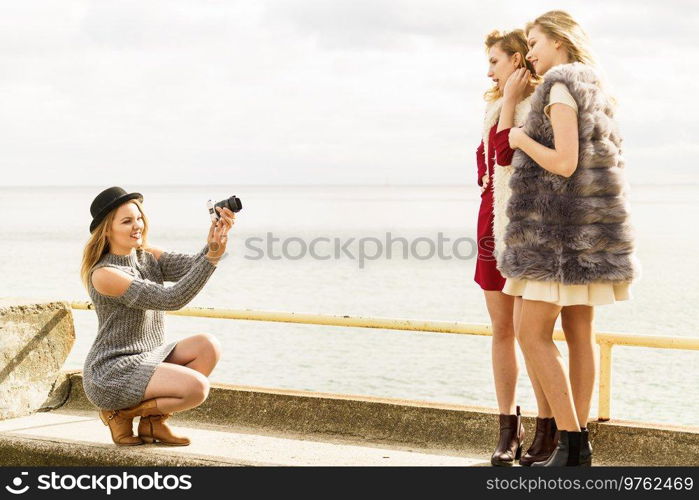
column 35, row 340
column 429, row 426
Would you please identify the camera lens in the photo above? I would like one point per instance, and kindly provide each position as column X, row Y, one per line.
column 233, row 204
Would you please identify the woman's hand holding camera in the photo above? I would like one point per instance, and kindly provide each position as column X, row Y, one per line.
column 218, row 234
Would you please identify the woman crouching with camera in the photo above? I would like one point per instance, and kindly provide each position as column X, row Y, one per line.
column 130, row 371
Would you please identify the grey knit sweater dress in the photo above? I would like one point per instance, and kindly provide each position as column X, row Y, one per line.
column 130, row 337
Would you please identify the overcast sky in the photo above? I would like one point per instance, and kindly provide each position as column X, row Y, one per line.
column 122, row 92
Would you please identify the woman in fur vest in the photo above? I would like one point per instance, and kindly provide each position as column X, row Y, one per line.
column 568, row 243
column 507, row 104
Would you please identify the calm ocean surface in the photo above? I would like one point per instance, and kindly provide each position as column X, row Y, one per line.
column 43, row 230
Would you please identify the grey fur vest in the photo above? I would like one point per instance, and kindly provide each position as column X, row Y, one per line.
column 571, row 230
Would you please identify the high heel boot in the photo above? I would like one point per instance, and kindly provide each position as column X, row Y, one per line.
column 585, row 448
column 567, row 452
column 544, row 442
column 509, row 446
column 120, row 427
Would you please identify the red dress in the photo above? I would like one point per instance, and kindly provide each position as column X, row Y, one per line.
column 487, row 274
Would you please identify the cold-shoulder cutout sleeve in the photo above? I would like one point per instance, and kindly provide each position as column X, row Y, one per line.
column 147, row 294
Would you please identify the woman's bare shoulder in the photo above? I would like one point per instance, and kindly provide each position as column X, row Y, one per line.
column 111, row 281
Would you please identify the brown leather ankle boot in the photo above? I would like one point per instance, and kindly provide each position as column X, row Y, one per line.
column 545, row 441
column 509, row 446
column 142, row 409
column 153, row 428
column 120, row 427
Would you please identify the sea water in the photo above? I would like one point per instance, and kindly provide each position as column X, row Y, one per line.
column 43, row 231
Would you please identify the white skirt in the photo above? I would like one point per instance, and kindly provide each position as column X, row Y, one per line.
column 591, row 294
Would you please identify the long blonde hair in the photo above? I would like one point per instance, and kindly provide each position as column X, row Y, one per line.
column 98, row 244
column 511, row 43
column 560, row 26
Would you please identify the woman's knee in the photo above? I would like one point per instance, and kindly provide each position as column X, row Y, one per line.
column 519, row 336
column 210, row 344
column 503, row 330
column 529, row 340
column 197, row 388
column 524, row 341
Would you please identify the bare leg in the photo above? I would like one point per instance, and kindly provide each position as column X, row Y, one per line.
column 505, row 368
column 177, row 388
column 536, row 338
column 199, row 352
column 180, row 383
column 543, row 407
column 577, row 324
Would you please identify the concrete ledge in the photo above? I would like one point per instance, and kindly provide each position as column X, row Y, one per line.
column 39, row 451
column 78, row 437
column 452, row 429
column 240, row 425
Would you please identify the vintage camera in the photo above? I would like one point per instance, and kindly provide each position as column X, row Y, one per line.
column 233, row 204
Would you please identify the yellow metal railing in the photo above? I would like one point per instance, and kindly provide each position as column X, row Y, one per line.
column 605, row 340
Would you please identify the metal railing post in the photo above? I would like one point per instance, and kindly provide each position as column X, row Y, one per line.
column 605, row 381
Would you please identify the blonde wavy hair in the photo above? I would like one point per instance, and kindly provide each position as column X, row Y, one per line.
column 98, row 244
column 511, row 43
column 560, row 26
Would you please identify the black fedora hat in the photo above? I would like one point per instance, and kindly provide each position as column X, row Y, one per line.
column 108, row 200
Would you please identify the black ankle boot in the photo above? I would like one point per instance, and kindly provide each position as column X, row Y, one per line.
column 509, row 446
column 543, row 444
column 585, row 448
column 567, row 453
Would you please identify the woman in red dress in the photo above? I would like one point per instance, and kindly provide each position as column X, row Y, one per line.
column 507, row 105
